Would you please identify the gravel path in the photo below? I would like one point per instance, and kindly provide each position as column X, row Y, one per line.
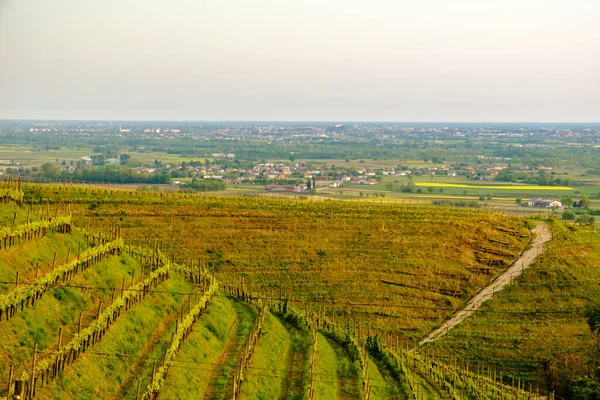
column 542, row 235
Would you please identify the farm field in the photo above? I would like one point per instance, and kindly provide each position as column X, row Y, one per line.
column 25, row 156
column 172, row 295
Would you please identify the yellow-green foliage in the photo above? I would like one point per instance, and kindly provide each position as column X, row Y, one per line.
column 11, row 191
column 21, row 230
column 100, row 323
column 535, row 330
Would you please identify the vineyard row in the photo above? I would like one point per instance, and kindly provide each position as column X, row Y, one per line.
column 27, row 294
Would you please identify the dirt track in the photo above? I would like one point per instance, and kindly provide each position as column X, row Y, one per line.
column 542, row 235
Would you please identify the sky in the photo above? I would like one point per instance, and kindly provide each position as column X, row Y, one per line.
column 296, row 60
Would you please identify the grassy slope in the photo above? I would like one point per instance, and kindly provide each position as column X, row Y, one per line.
column 220, row 386
column 383, row 382
column 266, row 375
column 295, row 384
column 379, row 386
column 40, row 251
column 8, row 210
column 544, row 349
column 322, row 250
column 188, row 378
column 346, row 375
column 61, row 307
column 143, row 335
column 326, row 384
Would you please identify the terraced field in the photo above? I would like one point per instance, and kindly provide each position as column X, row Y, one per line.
column 146, row 296
column 398, row 269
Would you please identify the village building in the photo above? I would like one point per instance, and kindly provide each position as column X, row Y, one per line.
column 539, row 202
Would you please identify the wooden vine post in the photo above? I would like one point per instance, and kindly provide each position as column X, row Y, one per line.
column 32, row 381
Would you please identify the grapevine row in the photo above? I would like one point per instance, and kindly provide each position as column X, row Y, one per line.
column 364, row 367
column 182, row 331
column 457, row 380
column 318, row 208
column 8, row 236
column 238, row 378
column 453, row 379
column 12, row 191
column 313, row 365
column 27, row 294
column 50, row 366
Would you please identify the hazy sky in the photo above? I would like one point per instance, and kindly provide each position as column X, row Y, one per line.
column 332, row 60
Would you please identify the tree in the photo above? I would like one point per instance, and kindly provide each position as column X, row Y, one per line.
column 124, row 158
column 588, row 386
column 586, row 219
column 585, row 202
column 97, row 159
column 568, row 202
column 568, row 215
column 593, row 319
column 50, row 171
column 518, row 200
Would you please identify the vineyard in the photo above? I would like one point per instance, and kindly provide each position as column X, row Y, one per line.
column 536, row 330
column 146, row 295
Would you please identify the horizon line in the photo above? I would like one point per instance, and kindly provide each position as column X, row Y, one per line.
column 293, row 121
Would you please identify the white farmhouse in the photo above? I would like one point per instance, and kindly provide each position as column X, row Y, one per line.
column 539, row 202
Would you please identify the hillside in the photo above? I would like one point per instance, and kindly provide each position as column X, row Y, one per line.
column 536, row 330
column 153, row 295
column 395, row 268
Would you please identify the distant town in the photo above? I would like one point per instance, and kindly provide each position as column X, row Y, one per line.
column 468, row 164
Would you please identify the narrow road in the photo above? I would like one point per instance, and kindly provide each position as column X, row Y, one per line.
column 542, row 235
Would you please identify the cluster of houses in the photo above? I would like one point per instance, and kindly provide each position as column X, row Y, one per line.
column 353, row 180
